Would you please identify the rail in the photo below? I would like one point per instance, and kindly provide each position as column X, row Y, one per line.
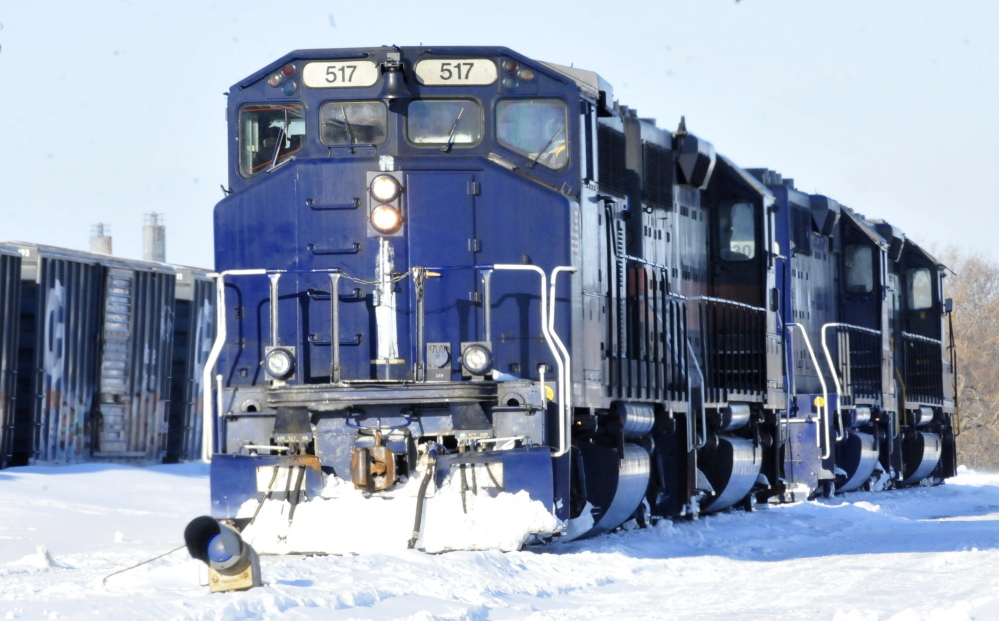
column 846, row 356
column 733, row 347
column 922, row 364
column 547, row 299
column 647, row 334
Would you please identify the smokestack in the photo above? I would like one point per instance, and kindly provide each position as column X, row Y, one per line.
column 99, row 242
column 154, row 238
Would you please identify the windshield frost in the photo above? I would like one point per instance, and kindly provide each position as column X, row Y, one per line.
column 444, row 122
column 535, row 128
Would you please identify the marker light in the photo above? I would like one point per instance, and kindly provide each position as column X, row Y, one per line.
column 510, row 65
column 289, row 87
column 385, row 188
column 279, row 363
column 386, row 219
column 288, row 70
column 510, row 84
column 526, row 74
column 476, row 359
column 275, row 79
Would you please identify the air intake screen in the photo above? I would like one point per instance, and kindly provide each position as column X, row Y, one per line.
column 611, row 159
column 657, row 176
column 801, row 229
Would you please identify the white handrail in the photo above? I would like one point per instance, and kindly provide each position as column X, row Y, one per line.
column 835, row 377
column 823, row 418
column 563, row 431
column 208, row 413
column 564, row 386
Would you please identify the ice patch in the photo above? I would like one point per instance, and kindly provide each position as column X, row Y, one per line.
column 867, row 506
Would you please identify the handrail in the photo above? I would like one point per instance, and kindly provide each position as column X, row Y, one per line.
column 554, row 343
column 823, row 418
column 841, row 432
column 920, row 337
column 564, row 387
column 708, row 298
column 207, row 423
column 563, row 429
column 698, row 442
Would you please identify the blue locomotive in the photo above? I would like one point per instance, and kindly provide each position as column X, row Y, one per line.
column 468, row 300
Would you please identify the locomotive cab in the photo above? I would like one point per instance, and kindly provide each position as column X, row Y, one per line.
column 925, row 372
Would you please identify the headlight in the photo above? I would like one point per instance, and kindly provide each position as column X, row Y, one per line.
column 279, row 363
column 385, row 188
column 386, row 219
column 477, row 360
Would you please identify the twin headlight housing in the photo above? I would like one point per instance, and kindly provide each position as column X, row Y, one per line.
column 384, row 206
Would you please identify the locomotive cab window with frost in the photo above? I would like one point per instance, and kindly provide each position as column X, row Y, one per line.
column 920, row 289
column 352, row 122
column 737, row 232
column 444, row 122
column 859, row 263
column 534, row 128
column 268, row 134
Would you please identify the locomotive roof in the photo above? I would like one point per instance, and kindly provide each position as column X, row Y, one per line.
column 589, row 82
column 863, row 226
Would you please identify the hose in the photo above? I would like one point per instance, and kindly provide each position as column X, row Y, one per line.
column 418, row 522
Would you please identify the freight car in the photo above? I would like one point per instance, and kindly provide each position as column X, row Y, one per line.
column 101, row 356
column 467, row 299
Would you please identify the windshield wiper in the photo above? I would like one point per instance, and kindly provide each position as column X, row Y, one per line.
column 350, row 130
column 282, row 135
column 450, row 135
column 545, row 148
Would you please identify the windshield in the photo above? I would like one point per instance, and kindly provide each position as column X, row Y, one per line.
column 269, row 133
column 352, row 122
column 535, row 128
column 444, row 122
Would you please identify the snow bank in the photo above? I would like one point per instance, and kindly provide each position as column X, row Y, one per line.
column 925, row 553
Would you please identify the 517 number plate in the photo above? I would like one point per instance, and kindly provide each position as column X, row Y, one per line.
column 448, row 71
column 340, row 74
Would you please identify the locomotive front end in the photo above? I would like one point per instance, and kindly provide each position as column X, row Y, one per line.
column 388, row 370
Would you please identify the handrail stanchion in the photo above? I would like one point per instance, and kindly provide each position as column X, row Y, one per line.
column 487, row 314
column 335, row 327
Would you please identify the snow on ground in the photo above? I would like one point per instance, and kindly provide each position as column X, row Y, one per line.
column 927, row 553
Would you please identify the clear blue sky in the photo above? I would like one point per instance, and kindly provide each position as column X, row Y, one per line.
column 114, row 108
